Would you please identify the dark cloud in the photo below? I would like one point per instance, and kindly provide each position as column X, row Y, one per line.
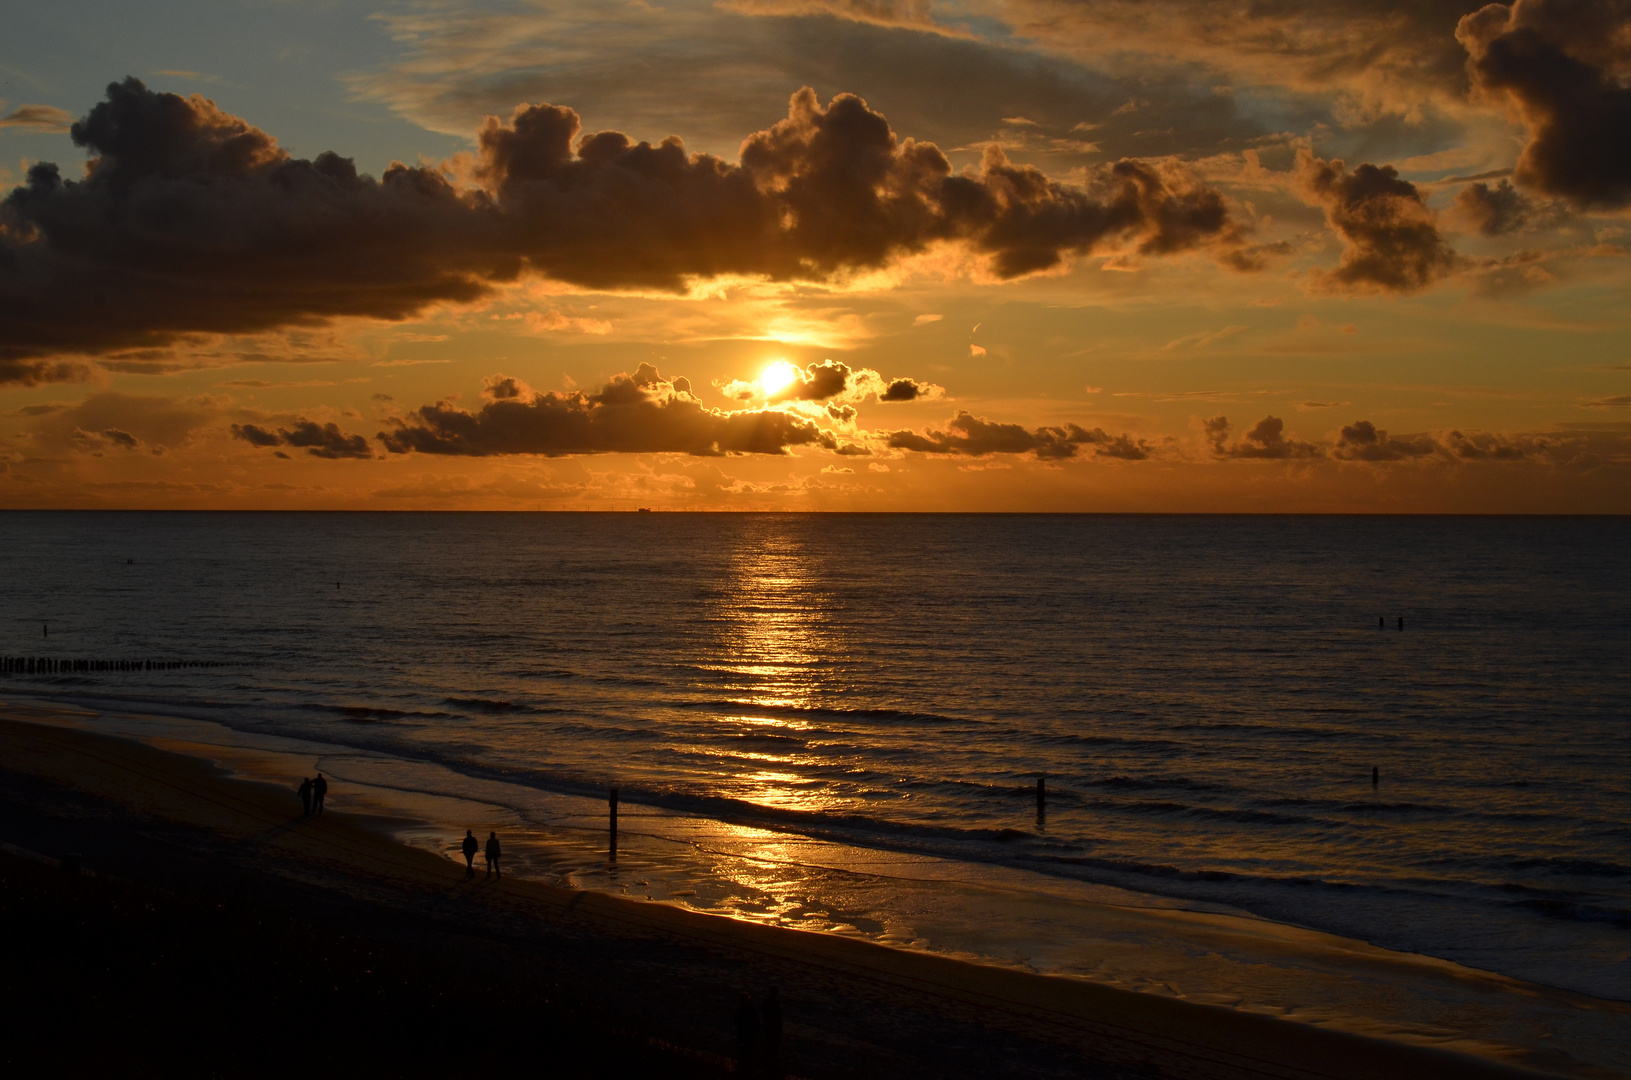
column 903, row 390
column 1391, row 241
column 1495, row 211
column 818, row 382
column 318, row 440
column 639, row 413
column 1562, row 66
column 256, row 435
column 974, row 436
column 190, row 220
column 1266, row 439
column 1362, row 441
column 23, row 372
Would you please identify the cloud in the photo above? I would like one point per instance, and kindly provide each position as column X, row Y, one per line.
column 1266, row 440
column 1561, row 67
column 1362, row 441
column 318, row 440
column 916, row 14
column 641, row 413
column 817, row 382
column 908, row 390
column 190, row 220
column 138, row 419
column 1387, row 54
column 1494, row 211
column 22, row 372
column 1391, row 242
column 831, row 379
column 38, row 118
column 1620, row 401
column 974, row 436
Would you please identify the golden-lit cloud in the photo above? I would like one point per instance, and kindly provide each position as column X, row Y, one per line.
column 998, row 254
column 244, row 237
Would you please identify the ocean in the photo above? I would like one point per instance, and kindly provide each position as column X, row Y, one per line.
column 838, row 721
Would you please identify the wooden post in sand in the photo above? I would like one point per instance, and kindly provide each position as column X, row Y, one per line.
column 611, row 801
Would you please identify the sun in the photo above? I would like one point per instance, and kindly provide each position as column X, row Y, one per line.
column 777, row 377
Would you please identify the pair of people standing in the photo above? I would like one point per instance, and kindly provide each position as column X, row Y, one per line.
column 472, row 845
column 312, row 793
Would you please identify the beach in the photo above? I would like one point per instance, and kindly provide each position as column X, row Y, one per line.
column 629, row 977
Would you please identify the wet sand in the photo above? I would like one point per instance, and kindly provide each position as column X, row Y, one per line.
column 626, row 978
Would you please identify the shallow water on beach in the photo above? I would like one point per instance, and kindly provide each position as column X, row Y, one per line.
column 1207, row 697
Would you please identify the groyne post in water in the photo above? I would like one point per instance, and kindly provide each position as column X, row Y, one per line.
column 1375, row 776
column 611, row 801
column 1041, row 798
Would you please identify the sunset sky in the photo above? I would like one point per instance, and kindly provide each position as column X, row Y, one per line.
column 1169, row 255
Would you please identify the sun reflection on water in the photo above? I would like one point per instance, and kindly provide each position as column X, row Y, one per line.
column 780, row 649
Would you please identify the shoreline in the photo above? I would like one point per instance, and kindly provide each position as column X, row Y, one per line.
column 1051, row 1015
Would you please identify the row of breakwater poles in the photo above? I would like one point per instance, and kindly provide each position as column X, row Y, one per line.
column 59, row 665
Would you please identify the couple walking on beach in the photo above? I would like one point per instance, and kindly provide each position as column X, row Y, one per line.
column 312, row 793
column 472, row 845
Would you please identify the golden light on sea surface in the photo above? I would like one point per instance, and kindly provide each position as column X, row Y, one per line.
column 777, row 377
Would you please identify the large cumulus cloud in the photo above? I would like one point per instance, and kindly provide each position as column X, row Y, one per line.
column 1562, row 66
column 191, row 220
column 1391, row 239
column 639, row 413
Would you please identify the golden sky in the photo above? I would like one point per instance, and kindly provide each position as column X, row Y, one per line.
column 1166, row 255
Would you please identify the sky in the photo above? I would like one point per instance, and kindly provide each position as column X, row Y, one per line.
column 869, row 255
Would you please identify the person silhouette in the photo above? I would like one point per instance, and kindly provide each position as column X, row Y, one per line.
column 305, row 795
column 492, row 855
column 469, row 846
column 771, row 1012
column 747, row 1032
column 319, row 788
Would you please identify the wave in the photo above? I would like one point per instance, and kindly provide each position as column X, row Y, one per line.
column 486, row 705
column 739, row 705
column 380, row 712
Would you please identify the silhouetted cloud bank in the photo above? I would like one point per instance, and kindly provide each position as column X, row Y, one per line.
column 191, row 220
column 975, row 436
column 639, row 413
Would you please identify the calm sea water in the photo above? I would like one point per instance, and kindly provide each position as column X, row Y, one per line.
column 1206, row 696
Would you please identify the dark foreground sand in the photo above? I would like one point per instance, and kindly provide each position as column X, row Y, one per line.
column 218, row 932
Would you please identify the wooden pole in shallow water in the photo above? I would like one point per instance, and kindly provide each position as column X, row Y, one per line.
column 611, row 801
column 1041, row 796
